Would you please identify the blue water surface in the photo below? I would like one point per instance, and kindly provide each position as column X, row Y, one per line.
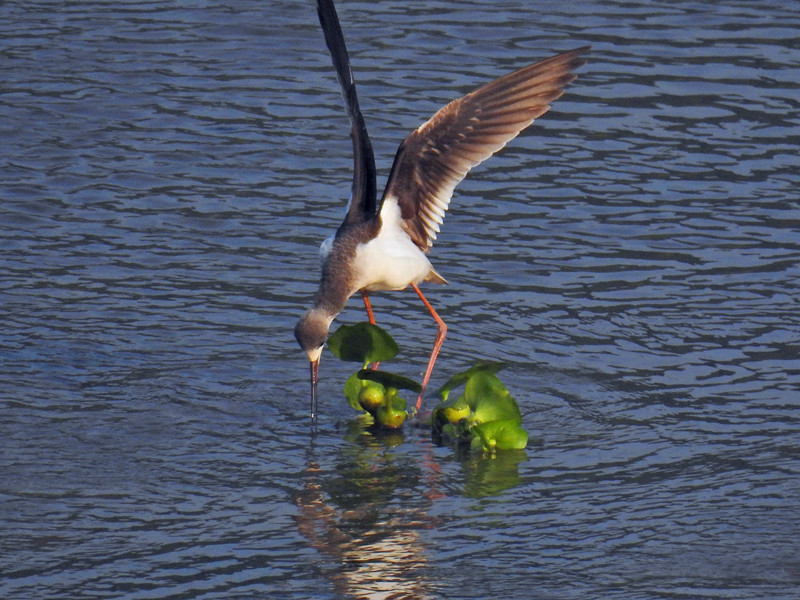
column 167, row 172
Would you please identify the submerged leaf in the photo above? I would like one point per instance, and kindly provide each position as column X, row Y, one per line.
column 363, row 343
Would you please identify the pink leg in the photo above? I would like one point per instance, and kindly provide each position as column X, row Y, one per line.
column 368, row 306
column 437, row 344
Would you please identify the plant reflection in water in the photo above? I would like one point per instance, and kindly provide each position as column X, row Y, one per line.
column 358, row 515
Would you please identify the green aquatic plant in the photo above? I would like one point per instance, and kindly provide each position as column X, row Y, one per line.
column 501, row 435
column 376, row 392
column 485, row 416
column 490, row 400
column 458, row 379
column 370, row 395
column 391, row 413
column 379, row 396
column 363, row 342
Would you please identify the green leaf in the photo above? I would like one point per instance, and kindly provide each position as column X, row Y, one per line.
column 502, row 435
column 363, row 343
column 461, row 378
column 352, row 387
column 490, row 400
column 390, row 380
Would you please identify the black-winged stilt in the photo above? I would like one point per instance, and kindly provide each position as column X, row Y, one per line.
column 383, row 245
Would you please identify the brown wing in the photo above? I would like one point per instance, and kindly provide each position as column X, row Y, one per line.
column 438, row 155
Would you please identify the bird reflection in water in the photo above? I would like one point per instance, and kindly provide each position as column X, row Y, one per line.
column 353, row 516
column 368, row 513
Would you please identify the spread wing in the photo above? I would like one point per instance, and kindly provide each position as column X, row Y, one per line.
column 438, row 155
column 364, row 196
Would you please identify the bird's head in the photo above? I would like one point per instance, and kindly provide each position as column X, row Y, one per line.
column 311, row 332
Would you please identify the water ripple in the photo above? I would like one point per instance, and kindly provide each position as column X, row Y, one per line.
column 167, row 174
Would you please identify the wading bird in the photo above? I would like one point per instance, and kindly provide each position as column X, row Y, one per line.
column 384, row 245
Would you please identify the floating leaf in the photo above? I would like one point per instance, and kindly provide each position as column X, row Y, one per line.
column 460, row 378
column 390, row 380
column 490, row 400
column 502, row 435
column 363, row 343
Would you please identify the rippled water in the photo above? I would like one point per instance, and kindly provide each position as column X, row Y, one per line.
column 167, row 174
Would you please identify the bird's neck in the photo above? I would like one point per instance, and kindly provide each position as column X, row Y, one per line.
column 338, row 281
column 336, row 285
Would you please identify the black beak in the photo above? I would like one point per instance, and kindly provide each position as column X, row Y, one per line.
column 314, row 379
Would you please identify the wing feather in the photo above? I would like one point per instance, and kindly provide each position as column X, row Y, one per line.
column 435, row 157
column 363, row 201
